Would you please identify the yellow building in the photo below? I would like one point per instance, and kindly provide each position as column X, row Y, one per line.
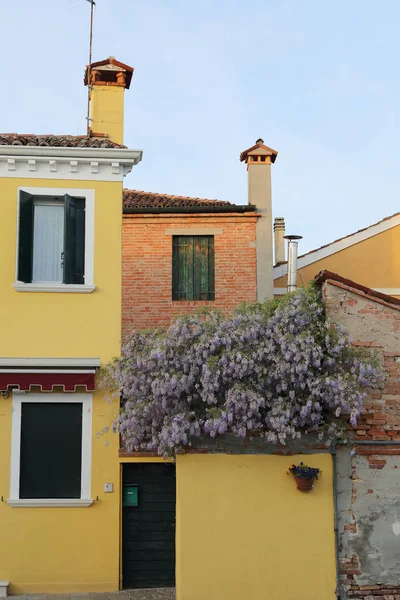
column 77, row 514
column 60, row 321
column 370, row 256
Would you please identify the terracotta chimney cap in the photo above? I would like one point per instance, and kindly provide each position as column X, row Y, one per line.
column 279, row 223
column 259, row 149
column 109, row 72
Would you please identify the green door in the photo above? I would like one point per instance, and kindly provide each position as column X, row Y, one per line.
column 148, row 547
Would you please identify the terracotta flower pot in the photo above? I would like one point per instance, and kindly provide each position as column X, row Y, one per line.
column 304, row 484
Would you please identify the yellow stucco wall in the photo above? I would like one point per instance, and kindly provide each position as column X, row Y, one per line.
column 375, row 263
column 59, row 324
column 245, row 531
column 63, row 549
column 107, row 111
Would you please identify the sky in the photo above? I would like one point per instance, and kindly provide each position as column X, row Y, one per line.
column 318, row 81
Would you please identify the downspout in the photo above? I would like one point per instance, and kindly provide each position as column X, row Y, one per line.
column 336, row 522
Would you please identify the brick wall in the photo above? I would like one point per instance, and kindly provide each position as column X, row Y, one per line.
column 147, row 265
column 369, row 481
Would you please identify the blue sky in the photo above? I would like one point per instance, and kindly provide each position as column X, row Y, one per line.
column 318, row 81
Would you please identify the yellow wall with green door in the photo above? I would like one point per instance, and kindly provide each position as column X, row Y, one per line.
column 245, row 531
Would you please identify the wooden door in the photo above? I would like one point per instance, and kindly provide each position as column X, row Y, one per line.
column 148, row 546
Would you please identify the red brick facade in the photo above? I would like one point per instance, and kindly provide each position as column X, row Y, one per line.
column 147, row 264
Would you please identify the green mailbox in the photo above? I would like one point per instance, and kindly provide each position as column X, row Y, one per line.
column 131, row 495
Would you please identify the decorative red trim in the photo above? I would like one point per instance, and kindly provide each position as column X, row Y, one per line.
column 47, row 381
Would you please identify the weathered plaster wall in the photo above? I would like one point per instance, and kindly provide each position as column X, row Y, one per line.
column 365, row 319
column 368, row 483
column 369, row 520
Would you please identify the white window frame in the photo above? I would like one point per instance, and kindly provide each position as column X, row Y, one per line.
column 88, row 286
column 18, row 399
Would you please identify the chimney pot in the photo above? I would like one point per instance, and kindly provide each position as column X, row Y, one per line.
column 279, row 241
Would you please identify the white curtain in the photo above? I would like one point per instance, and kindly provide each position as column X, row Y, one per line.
column 48, row 242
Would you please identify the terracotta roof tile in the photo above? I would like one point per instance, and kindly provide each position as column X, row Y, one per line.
column 140, row 199
column 66, row 141
column 334, row 278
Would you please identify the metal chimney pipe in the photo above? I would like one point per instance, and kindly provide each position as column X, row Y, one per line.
column 293, row 241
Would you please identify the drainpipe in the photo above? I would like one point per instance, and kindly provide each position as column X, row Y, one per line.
column 293, row 241
column 336, row 523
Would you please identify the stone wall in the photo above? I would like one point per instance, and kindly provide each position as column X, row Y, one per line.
column 368, row 484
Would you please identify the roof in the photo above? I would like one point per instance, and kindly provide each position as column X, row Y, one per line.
column 341, row 243
column 65, row 141
column 136, row 201
column 259, row 145
column 357, row 288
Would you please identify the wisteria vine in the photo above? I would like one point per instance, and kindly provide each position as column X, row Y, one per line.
column 275, row 369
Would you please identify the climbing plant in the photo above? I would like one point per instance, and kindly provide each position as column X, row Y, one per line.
column 276, row 369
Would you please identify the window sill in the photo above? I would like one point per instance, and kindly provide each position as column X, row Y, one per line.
column 48, row 503
column 54, row 287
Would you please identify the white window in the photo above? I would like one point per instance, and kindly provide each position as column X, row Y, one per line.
column 55, row 240
column 51, row 450
column 48, row 242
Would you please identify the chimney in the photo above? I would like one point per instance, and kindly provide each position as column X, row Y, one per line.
column 258, row 159
column 279, row 240
column 108, row 81
column 293, row 241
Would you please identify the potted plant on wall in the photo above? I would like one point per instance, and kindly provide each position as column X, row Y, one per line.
column 304, row 476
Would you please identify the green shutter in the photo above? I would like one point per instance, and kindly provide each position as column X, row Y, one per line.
column 25, row 237
column 193, row 268
column 204, row 268
column 211, row 275
column 51, row 450
column 182, row 268
column 74, row 240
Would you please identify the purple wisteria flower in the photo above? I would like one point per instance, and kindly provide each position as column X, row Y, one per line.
column 274, row 369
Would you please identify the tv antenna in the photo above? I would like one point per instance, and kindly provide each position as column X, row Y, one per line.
column 89, row 74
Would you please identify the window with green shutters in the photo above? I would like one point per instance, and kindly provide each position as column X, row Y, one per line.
column 193, row 267
column 51, row 239
column 51, row 450
column 51, row 442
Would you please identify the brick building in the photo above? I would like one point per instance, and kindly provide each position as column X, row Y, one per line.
column 181, row 253
column 368, row 483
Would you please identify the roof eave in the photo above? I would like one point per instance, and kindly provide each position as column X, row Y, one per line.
column 119, row 154
column 155, row 210
column 357, row 288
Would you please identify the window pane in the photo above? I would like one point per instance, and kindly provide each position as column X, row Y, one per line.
column 48, row 242
column 51, row 450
